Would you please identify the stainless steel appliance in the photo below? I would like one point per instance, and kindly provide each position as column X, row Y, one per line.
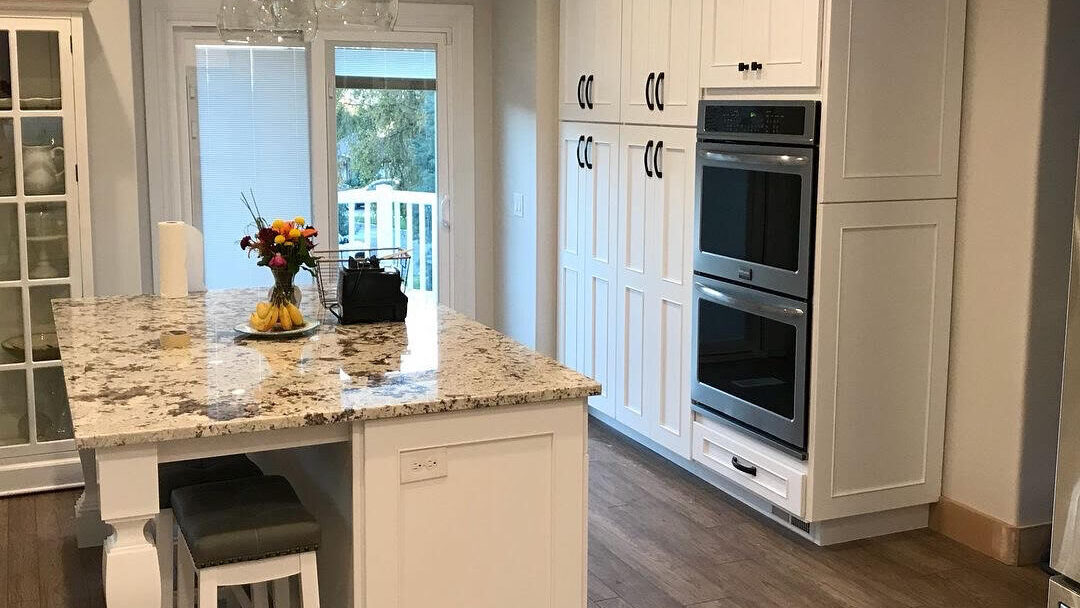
column 756, row 169
column 1065, row 549
column 756, row 183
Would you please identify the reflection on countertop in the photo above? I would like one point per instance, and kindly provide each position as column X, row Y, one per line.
column 123, row 388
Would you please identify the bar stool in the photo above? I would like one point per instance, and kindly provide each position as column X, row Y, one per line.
column 174, row 475
column 244, row 532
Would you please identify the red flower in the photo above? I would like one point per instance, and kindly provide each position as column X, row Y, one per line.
column 277, row 261
column 245, row 243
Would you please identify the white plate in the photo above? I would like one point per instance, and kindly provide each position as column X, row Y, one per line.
column 251, row 332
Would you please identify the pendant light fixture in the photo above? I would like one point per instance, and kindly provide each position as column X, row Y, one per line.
column 378, row 15
column 268, row 22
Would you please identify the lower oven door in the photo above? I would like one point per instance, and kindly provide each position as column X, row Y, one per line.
column 750, row 359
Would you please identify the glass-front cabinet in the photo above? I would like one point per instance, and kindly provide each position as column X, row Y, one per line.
column 44, row 240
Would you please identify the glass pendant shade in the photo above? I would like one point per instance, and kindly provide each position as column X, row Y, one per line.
column 362, row 14
column 268, row 22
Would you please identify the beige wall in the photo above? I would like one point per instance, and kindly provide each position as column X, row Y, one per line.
column 119, row 210
column 1012, row 254
column 526, row 39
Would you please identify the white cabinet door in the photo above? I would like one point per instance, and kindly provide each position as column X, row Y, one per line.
column 661, row 42
column 878, row 377
column 574, row 185
column 600, row 216
column 760, row 43
column 656, row 185
column 588, row 215
column 903, row 60
column 590, row 62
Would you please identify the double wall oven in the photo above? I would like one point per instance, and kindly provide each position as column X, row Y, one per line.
column 753, row 239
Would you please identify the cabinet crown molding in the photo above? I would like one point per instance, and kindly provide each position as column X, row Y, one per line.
column 44, row 5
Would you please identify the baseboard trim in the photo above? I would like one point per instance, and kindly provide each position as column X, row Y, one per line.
column 1012, row 545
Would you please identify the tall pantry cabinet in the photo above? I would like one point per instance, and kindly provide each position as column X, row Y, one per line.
column 44, row 234
column 626, row 208
column 888, row 77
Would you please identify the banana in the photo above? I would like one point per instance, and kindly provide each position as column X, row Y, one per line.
column 295, row 314
column 256, row 323
column 285, row 318
column 273, row 319
column 263, row 310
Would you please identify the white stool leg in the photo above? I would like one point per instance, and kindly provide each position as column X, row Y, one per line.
column 309, row 581
column 208, row 590
column 282, row 593
column 164, row 525
column 259, row 596
column 185, row 576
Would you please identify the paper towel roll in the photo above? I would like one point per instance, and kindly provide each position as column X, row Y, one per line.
column 172, row 259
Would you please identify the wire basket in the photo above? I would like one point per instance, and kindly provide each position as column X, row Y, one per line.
column 329, row 264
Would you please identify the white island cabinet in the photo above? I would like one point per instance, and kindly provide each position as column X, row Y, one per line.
column 445, row 463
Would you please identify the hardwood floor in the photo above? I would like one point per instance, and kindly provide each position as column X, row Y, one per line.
column 658, row 538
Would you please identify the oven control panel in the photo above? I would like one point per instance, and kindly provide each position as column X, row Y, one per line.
column 794, row 122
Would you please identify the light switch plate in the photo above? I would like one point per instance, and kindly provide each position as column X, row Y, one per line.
column 420, row 465
column 519, row 205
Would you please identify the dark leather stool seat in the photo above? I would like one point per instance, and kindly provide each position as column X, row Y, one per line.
column 174, row 475
column 243, row 520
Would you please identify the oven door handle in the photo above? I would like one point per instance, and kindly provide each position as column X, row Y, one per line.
column 772, row 160
column 749, row 305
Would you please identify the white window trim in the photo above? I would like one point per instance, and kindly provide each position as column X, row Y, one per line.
column 168, row 162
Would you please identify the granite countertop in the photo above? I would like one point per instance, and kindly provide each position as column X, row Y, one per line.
column 123, row 388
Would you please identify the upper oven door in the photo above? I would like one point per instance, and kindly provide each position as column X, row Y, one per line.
column 749, row 358
column 754, row 220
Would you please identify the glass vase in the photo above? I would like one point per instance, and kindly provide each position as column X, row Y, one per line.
column 284, row 289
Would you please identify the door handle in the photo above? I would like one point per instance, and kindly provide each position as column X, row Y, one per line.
column 755, row 66
column 656, row 160
column 588, row 91
column 777, row 160
column 580, row 98
column 649, row 89
column 660, row 92
column 648, row 149
column 750, row 470
column 588, row 148
column 445, row 212
column 743, row 67
column 749, row 305
column 580, row 140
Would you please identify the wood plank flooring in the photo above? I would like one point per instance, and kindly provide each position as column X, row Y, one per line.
column 659, row 538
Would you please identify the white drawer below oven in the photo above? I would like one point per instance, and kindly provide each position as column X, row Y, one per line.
column 763, row 470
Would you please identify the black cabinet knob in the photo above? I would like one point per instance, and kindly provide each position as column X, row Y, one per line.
column 743, row 67
column 755, row 66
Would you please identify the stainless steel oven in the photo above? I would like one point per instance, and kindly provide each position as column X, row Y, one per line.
column 756, row 186
column 756, row 169
column 750, row 360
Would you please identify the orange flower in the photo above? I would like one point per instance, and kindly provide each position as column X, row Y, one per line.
column 310, row 232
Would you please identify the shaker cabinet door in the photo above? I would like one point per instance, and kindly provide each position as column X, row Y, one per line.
column 574, row 184
column 660, row 81
column 590, row 60
column 760, row 43
column 654, row 283
column 881, row 333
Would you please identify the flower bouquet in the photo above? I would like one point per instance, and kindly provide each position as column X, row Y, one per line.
column 285, row 248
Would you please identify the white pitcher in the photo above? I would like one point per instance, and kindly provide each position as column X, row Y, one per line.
column 43, row 169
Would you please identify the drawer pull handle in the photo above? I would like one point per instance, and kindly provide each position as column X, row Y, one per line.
column 749, row 470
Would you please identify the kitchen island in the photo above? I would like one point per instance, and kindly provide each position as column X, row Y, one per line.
column 445, row 462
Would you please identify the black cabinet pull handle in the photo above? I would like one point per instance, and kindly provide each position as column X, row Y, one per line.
column 588, row 91
column 755, row 66
column 648, row 149
column 656, row 160
column 749, row 470
column 743, row 67
column 580, row 163
column 649, row 90
column 588, row 150
column 660, row 92
column 580, row 98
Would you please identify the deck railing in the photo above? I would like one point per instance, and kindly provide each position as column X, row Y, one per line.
column 385, row 217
